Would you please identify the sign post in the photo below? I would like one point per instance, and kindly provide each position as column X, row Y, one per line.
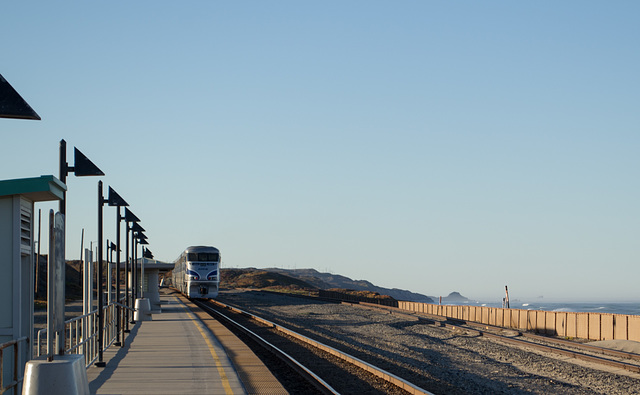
column 55, row 287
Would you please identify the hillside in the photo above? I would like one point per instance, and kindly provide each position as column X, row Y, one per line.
column 255, row 278
column 329, row 280
column 73, row 280
column 311, row 279
column 453, row 298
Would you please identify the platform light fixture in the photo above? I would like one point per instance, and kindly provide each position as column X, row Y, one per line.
column 101, row 202
column 142, row 241
column 82, row 167
column 130, row 219
column 111, row 247
column 136, row 231
column 12, row 105
column 115, row 200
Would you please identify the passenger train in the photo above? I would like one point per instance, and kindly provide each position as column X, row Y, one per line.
column 197, row 272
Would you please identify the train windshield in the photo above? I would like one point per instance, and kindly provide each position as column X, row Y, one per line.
column 202, row 257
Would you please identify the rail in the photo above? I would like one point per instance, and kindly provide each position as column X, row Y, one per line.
column 565, row 348
column 81, row 333
column 568, row 324
column 382, row 374
column 314, row 379
column 15, row 380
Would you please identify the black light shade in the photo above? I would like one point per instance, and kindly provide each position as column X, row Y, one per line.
column 141, row 236
column 136, row 227
column 12, row 105
column 143, row 242
column 147, row 253
column 115, row 199
column 129, row 216
column 112, row 246
column 83, row 166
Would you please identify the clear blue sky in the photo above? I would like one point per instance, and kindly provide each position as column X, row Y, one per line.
column 431, row 146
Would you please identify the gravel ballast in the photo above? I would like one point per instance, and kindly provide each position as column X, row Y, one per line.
column 437, row 359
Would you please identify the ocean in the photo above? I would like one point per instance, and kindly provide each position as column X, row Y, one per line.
column 583, row 307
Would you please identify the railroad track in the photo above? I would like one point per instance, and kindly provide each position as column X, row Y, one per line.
column 437, row 354
column 329, row 370
column 566, row 348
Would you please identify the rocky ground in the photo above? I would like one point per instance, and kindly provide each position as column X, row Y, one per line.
column 433, row 358
column 73, row 308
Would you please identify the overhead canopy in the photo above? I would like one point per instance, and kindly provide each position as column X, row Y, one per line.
column 149, row 264
column 37, row 189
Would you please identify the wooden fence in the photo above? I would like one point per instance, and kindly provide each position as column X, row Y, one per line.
column 591, row 326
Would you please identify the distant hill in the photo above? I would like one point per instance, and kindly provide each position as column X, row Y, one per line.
column 328, row 281
column 453, row 297
column 73, row 279
column 258, row 278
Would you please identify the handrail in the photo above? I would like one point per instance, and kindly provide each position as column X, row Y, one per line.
column 15, row 379
column 81, row 333
column 12, row 342
column 124, row 306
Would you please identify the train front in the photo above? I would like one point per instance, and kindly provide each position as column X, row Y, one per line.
column 203, row 273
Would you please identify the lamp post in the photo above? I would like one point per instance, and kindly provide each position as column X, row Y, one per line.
column 111, row 247
column 134, row 265
column 142, row 242
column 117, row 201
column 146, row 253
column 130, row 217
column 82, row 167
column 109, row 256
column 101, row 202
column 136, row 230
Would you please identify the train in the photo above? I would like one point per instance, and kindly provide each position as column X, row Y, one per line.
column 196, row 273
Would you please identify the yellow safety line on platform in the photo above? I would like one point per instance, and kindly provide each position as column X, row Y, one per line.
column 223, row 375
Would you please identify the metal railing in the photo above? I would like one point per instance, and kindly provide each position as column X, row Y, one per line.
column 15, row 380
column 81, row 333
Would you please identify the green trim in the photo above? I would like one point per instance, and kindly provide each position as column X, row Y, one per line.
column 37, row 189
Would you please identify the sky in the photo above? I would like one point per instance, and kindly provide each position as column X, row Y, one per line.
column 422, row 145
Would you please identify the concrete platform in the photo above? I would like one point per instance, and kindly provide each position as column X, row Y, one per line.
column 172, row 354
column 254, row 375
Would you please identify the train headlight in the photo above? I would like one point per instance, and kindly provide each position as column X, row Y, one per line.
column 192, row 275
